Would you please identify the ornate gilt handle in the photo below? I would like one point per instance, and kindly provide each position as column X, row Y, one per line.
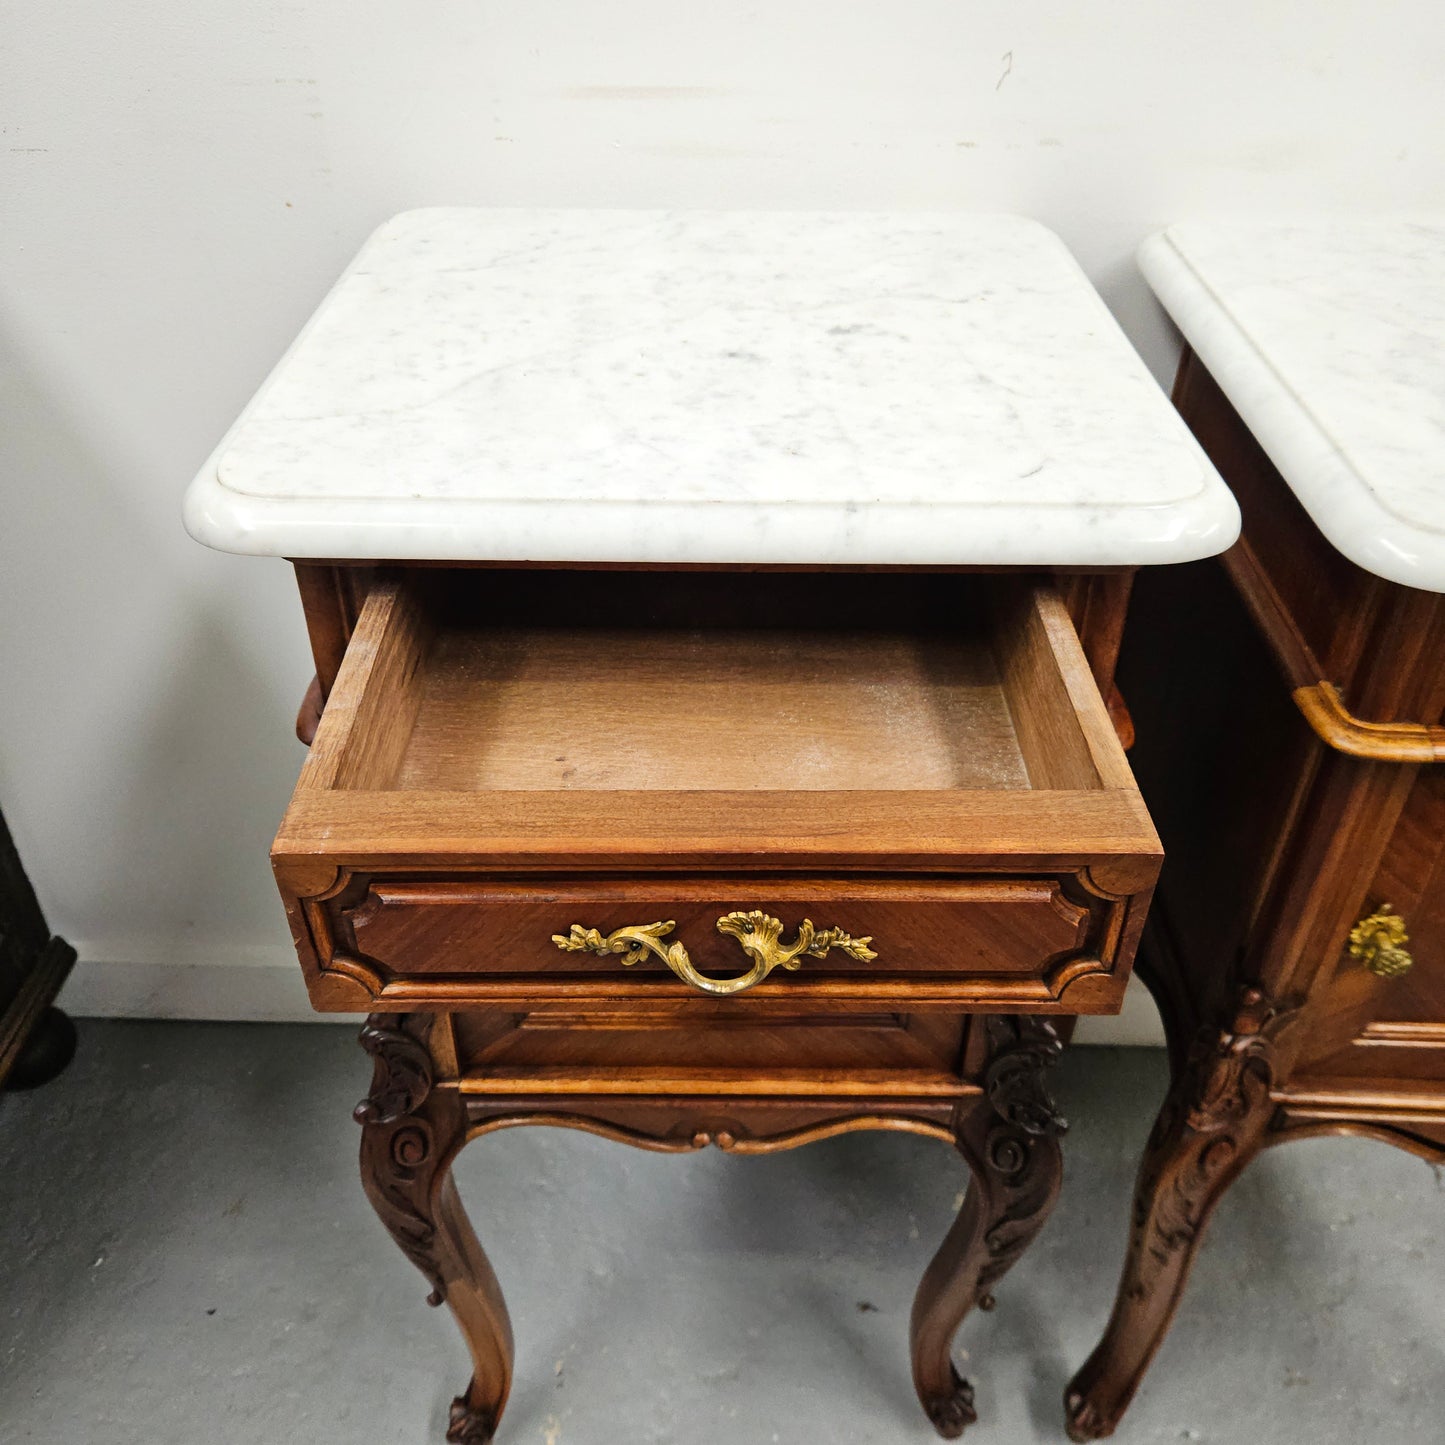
column 756, row 932
column 1379, row 940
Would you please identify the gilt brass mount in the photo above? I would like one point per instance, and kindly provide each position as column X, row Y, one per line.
column 757, row 933
column 1379, row 940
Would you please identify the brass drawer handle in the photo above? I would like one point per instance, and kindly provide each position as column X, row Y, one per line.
column 756, row 932
column 1378, row 941
column 1392, row 742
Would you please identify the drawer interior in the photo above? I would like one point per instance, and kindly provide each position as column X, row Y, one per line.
column 550, row 720
column 535, row 708
column 555, row 681
column 924, row 757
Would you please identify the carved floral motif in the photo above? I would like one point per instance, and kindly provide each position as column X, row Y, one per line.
column 1205, row 1129
column 398, row 1149
column 1021, row 1048
column 402, row 1077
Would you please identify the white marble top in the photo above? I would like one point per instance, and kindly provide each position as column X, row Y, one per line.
column 1328, row 336
column 712, row 387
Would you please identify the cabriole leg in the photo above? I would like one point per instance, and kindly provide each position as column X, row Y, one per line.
column 1011, row 1143
column 410, row 1134
column 1215, row 1119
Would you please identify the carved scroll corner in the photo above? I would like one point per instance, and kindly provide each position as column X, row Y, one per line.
column 402, row 1077
column 309, row 879
column 1230, row 1071
column 1022, row 1047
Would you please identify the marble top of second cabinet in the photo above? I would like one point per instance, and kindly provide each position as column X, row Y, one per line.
column 713, row 387
column 1327, row 334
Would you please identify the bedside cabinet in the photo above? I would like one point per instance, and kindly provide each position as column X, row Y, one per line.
column 715, row 620
column 1290, row 707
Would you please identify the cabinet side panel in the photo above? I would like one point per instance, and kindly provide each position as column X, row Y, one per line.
column 1221, row 757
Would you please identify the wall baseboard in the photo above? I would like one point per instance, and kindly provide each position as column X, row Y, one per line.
column 263, row 985
column 236, row 984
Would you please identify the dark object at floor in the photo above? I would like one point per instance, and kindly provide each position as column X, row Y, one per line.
column 49, row 1047
column 36, row 1039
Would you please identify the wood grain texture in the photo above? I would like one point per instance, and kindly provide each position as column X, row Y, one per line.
column 411, row 1132
column 733, row 1050
column 1024, row 831
column 1012, row 1150
column 372, row 708
column 945, row 926
column 522, row 709
column 1054, row 944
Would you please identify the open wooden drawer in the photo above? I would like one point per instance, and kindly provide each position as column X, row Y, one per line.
column 545, row 789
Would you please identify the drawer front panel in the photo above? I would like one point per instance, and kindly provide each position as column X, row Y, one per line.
column 1011, row 942
column 1005, row 926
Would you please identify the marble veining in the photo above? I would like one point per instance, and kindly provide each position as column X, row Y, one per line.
column 694, row 386
column 1328, row 336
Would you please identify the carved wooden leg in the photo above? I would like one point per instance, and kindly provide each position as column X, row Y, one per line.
column 410, row 1134
column 1011, row 1145
column 1215, row 1119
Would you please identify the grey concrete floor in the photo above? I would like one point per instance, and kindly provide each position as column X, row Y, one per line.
column 186, row 1256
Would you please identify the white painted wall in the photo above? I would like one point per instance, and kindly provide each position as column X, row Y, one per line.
column 180, row 182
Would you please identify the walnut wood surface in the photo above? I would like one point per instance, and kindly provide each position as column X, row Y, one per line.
column 925, row 759
column 411, row 1132
column 922, row 926
column 1012, row 1151
column 712, row 775
column 1049, row 942
column 333, row 594
column 428, row 1097
column 512, row 709
column 1278, row 843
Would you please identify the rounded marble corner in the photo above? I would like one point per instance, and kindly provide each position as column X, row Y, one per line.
column 228, row 521
column 208, row 515
column 1150, row 249
column 405, row 225
column 1376, row 541
column 1031, row 225
column 1210, row 526
column 1337, row 499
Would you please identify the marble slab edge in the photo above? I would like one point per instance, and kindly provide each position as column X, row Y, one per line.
column 1338, row 500
column 716, row 533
